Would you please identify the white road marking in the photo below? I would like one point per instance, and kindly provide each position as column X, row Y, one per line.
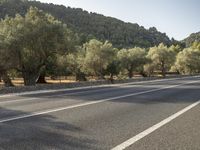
column 90, row 91
column 67, row 94
column 89, row 87
column 148, row 131
column 39, row 98
column 18, row 100
column 89, row 103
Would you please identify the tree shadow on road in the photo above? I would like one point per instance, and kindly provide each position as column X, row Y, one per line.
column 41, row 133
column 179, row 94
column 48, row 132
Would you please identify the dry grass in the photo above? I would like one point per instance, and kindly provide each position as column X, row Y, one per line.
column 20, row 81
column 60, row 81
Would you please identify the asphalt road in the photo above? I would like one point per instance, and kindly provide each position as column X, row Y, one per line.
column 158, row 115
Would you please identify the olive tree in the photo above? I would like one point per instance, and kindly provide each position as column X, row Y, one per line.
column 33, row 39
column 196, row 45
column 132, row 59
column 98, row 56
column 114, row 67
column 188, row 61
column 5, row 63
column 161, row 58
column 75, row 65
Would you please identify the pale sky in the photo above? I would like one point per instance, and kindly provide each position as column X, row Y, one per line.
column 177, row 18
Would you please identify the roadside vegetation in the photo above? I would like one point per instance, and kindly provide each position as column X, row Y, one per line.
column 37, row 45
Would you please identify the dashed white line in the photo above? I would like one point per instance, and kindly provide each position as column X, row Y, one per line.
column 66, row 94
column 89, row 103
column 62, row 90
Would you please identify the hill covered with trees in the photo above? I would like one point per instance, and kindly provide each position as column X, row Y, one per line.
column 37, row 45
column 194, row 37
column 91, row 25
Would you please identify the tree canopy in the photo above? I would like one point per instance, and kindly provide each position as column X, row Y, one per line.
column 33, row 39
column 162, row 58
column 132, row 59
column 92, row 25
column 52, row 40
column 98, row 56
column 194, row 37
column 188, row 61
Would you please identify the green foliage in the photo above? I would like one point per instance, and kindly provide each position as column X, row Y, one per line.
column 132, row 59
column 98, row 56
column 33, row 39
column 162, row 58
column 114, row 67
column 196, row 45
column 75, row 63
column 188, row 61
column 7, row 58
column 92, row 25
column 4, row 55
column 194, row 37
column 34, row 43
column 175, row 48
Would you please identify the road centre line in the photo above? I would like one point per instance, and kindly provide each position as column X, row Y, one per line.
column 89, row 103
column 89, row 91
column 65, row 94
column 148, row 131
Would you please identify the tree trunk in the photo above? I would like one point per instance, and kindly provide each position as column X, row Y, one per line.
column 80, row 76
column 163, row 70
column 101, row 77
column 7, row 81
column 29, row 79
column 41, row 79
column 130, row 73
column 143, row 74
column 111, row 78
column 163, row 74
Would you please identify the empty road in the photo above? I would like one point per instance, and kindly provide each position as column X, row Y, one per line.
column 150, row 115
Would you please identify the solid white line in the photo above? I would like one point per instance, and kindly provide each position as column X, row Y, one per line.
column 67, row 94
column 89, row 90
column 89, row 87
column 40, row 98
column 60, row 90
column 148, row 131
column 18, row 100
column 88, row 103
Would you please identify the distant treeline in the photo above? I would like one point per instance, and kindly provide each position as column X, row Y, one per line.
column 194, row 37
column 92, row 25
column 36, row 45
column 71, row 41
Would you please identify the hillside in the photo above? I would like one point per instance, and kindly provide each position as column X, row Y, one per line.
column 192, row 38
column 91, row 25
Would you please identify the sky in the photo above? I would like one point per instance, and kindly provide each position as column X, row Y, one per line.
column 177, row 18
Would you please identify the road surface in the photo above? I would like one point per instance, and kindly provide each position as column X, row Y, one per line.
column 158, row 115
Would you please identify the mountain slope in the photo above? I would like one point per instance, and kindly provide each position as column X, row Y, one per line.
column 192, row 38
column 91, row 25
